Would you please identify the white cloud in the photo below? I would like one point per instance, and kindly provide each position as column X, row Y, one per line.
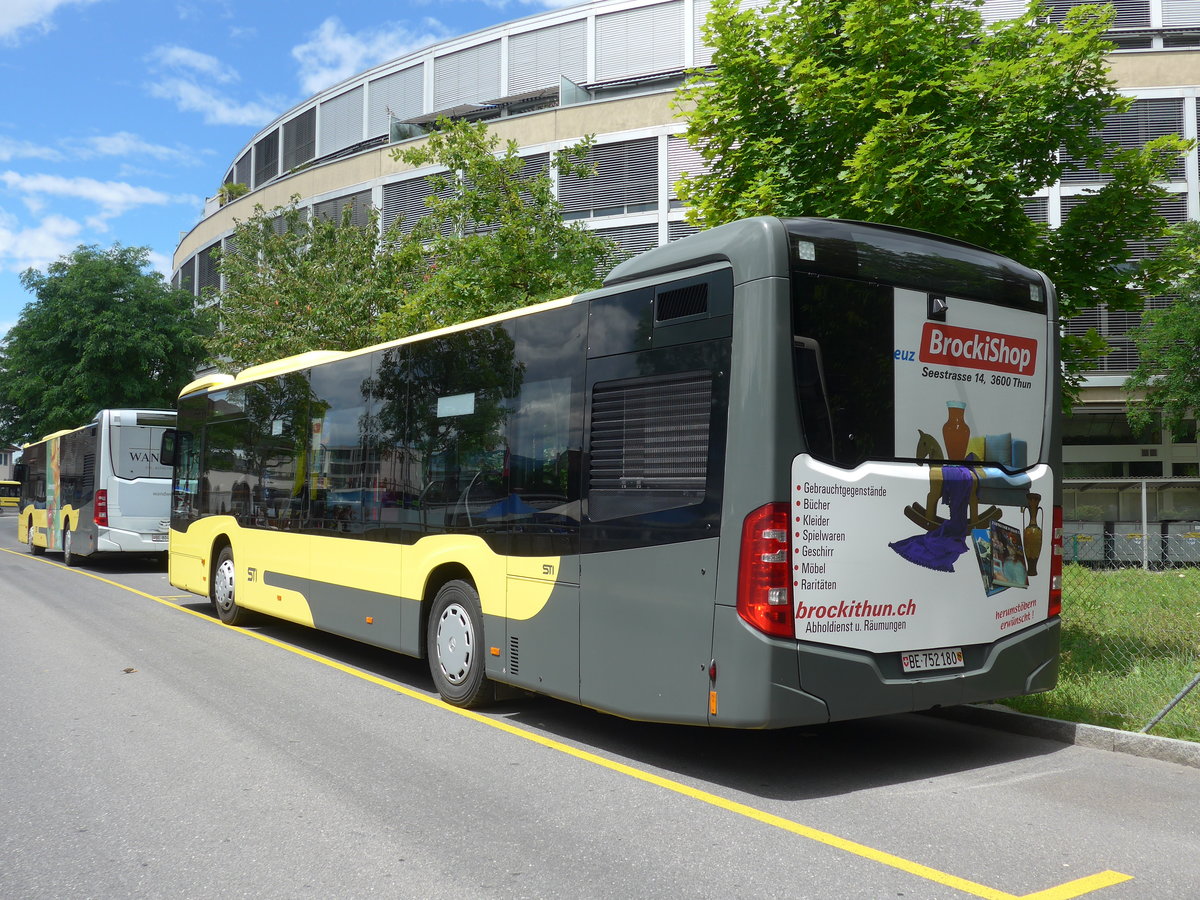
column 16, row 15
column 171, row 56
column 190, row 78
column 160, row 262
column 38, row 246
column 10, row 149
column 127, row 145
column 332, row 54
column 112, row 197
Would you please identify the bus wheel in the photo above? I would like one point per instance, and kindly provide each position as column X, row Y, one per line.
column 33, row 548
column 221, row 590
column 69, row 557
column 455, row 645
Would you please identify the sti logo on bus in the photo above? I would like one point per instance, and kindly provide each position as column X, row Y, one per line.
column 970, row 348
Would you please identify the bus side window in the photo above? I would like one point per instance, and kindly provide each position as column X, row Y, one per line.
column 649, row 444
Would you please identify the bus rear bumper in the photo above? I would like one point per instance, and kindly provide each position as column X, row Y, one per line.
column 764, row 682
column 114, row 540
column 854, row 683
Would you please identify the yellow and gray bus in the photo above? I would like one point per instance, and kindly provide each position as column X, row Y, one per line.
column 10, row 494
column 97, row 489
column 775, row 473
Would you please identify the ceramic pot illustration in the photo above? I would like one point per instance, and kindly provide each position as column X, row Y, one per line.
column 1033, row 532
column 956, row 432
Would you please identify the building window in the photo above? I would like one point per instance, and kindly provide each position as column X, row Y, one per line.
column 1102, row 428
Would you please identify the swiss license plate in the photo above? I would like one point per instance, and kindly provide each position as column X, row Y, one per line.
column 924, row 660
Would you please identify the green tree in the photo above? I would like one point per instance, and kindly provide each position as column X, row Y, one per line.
column 294, row 284
column 914, row 113
column 103, row 332
column 1167, row 376
column 495, row 238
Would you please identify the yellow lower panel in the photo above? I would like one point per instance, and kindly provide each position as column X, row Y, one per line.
column 395, row 569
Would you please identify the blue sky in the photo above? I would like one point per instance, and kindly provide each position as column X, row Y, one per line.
column 118, row 117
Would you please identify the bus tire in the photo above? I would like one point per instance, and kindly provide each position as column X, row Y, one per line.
column 33, row 548
column 221, row 590
column 454, row 641
column 70, row 558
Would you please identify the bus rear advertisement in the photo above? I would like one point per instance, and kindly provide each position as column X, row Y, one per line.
column 781, row 472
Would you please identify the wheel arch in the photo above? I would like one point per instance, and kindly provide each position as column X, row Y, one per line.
column 438, row 577
column 220, row 542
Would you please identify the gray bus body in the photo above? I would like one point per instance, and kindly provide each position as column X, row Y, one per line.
column 643, row 459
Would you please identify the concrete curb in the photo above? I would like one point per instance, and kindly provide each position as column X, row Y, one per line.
column 989, row 715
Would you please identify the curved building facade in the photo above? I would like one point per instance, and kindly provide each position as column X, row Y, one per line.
column 611, row 68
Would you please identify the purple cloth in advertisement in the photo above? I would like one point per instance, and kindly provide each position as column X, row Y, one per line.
column 939, row 548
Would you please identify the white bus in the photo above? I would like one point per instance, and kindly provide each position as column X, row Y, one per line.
column 99, row 488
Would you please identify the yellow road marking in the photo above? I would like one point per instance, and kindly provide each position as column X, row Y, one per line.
column 1066, row 891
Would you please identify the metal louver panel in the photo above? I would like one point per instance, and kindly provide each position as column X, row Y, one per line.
column 405, row 201
column 360, row 209
column 681, row 157
column 1173, row 209
column 1130, row 13
column 537, row 59
column 678, row 230
column 635, row 41
column 651, row 434
column 401, row 92
column 341, row 121
column 630, row 241
column 243, row 169
column 300, row 139
column 1145, row 120
column 467, row 76
column 626, row 180
column 1180, row 12
column 999, row 10
column 266, row 159
column 187, row 276
column 1036, row 208
column 207, row 275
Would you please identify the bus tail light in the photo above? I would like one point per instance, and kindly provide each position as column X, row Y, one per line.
column 1056, row 564
column 100, row 507
column 764, row 596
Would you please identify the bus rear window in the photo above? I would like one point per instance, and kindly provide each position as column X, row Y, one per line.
column 134, row 450
column 843, row 349
column 890, row 373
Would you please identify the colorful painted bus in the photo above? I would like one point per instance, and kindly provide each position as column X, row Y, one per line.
column 99, row 488
column 775, row 473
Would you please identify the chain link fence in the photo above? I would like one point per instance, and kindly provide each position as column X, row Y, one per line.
column 1131, row 632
